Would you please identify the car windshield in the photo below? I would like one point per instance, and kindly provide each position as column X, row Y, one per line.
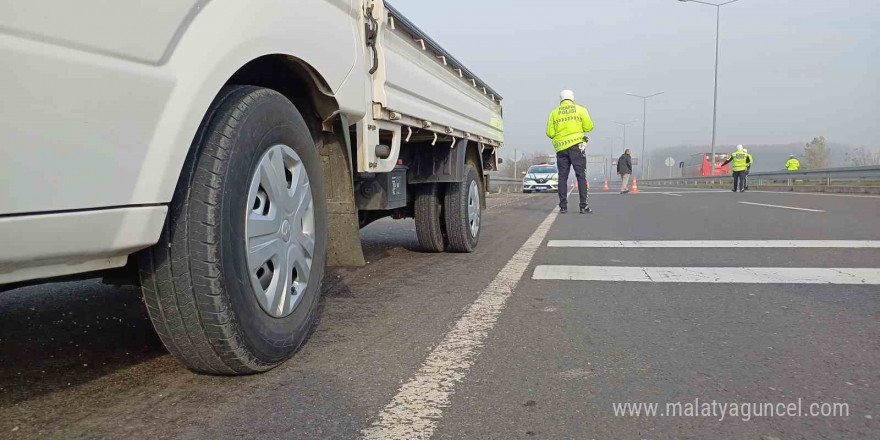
column 542, row 170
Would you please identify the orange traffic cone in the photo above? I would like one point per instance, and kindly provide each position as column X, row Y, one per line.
column 605, row 187
column 588, row 185
column 635, row 187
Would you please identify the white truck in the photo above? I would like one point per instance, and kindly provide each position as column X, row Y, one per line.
column 223, row 152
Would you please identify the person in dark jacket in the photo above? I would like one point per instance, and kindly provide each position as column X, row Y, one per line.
column 625, row 169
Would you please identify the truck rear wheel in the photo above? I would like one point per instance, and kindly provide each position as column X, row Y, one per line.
column 429, row 221
column 463, row 211
column 233, row 284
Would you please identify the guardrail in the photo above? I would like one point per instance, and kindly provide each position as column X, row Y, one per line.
column 504, row 179
column 499, row 184
column 827, row 178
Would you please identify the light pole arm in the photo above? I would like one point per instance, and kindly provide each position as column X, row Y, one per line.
column 718, row 5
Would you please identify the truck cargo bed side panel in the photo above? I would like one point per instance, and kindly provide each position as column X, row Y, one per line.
column 419, row 84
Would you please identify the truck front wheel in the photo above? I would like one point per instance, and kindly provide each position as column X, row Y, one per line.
column 233, row 284
column 463, row 212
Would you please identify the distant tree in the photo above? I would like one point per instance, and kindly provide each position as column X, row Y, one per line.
column 523, row 162
column 862, row 157
column 817, row 154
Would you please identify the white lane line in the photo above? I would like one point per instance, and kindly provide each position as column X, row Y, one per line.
column 417, row 408
column 864, row 196
column 754, row 275
column 783, row 207
column 716, row 244
column 867, row 196
column 617, row 192
column 684, row 189
column 672, row 194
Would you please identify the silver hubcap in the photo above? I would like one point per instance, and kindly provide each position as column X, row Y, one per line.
column 280, row 231
column 474, row 209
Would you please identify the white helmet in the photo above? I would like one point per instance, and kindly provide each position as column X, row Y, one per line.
column 566, row 95
column 739, row 148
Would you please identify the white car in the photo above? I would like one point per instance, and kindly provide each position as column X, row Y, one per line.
column 541, row 178
column 220, row 153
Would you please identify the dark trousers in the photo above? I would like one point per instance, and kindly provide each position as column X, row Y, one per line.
column 565, row 160
column 746, row 178
column 739, row 180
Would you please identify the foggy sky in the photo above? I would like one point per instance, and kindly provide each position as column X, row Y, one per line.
column 789, row 69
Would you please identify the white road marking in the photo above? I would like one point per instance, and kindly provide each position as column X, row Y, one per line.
column 865, row 196
column 716, row 244
column 617, row 192
column 672, row 194
column 417, row 408
column 744, row 275
column 685, row 189
column 783, row 207
column 692, row 188
column 697, row 189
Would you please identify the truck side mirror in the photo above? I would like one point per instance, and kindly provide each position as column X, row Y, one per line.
column 681, row 165
column 523, row 173
column 500, row 161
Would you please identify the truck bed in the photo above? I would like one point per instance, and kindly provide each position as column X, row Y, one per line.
column 424, row 82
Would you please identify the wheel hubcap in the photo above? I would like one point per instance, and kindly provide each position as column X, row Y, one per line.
column 280, row 231
column 474, row 209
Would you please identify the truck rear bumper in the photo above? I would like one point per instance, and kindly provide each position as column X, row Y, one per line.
column 49, row 245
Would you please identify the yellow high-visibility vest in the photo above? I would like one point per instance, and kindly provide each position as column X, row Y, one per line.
column 740, row 160
column 792, row 164
column 567, row 125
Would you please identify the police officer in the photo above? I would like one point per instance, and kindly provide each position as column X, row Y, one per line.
column 748, row 167
column 793, row 164
column 740, row 161
column 567, row 127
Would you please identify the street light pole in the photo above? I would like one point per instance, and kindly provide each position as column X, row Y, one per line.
column 610, row 140
column 717, row 38
column 514, row 164
column 624, row 124
column 644, row 124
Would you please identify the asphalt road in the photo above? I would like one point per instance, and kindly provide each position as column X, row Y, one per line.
column 546, row 358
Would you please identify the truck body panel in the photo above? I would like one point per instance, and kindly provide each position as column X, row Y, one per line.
column 423, row 80
column 100, row 117
column 419, row 86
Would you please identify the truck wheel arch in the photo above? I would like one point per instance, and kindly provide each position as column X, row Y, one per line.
column 309, row 92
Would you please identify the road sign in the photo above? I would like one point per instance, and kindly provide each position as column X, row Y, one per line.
column 670, row 162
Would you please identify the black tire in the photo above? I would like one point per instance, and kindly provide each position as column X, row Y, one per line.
column 458, row 229
column 429, row 217
column 195, row 280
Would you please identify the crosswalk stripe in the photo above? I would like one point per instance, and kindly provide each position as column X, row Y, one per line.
column 755, row 275
column 716, row 244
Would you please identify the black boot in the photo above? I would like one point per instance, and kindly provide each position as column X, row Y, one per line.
column 563, row 210
column 586, row 210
